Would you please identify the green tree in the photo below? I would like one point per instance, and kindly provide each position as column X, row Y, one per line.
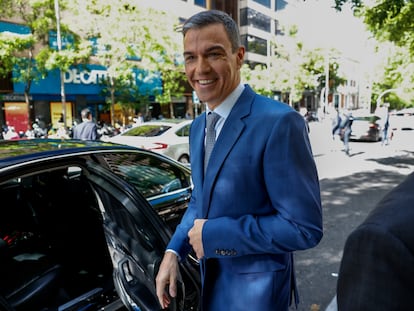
column 130, row 37
column 391, row 21
column 293, row 68
column 396, row 72
column 30, row 57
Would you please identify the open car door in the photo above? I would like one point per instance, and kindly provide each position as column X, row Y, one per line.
column 137, row 239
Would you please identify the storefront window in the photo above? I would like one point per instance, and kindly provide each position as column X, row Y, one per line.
column 17, row 116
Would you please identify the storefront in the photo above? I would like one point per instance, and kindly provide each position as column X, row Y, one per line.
column 82, row 87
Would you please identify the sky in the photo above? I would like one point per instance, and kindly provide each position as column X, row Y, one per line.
column 319, row 24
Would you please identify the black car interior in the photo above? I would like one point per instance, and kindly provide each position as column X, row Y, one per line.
column 52, row 246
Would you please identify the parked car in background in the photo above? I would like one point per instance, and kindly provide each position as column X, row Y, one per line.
column 365, row 128
column 84, row 226
column 167, row 136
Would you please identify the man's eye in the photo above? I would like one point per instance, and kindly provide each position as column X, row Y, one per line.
column 189, row 58
column 214, row 55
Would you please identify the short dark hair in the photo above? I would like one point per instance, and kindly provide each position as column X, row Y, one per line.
column 210, row 17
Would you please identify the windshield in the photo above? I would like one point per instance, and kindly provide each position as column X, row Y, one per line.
column 147, row 130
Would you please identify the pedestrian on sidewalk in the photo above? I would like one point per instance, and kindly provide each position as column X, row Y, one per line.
column 336, row 124
column 346, row 128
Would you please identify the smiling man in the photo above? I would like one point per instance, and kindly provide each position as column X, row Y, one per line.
column 257, row 199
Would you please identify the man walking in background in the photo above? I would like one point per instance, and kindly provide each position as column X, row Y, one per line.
column 87, row 130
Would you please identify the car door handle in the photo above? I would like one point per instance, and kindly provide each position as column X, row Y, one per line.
column 184, row 197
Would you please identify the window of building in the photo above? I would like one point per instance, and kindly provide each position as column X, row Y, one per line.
column 201, row 3
column 250, row 17
column 254, row 44
column 266, row 3
column 278, row 29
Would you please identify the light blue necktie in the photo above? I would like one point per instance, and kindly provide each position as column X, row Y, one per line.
column 212, row 119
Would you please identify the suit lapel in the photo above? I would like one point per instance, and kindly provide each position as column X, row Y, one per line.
column 197, row 149
column 231, row 131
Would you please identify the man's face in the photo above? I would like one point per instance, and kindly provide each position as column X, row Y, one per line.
column 212, row 69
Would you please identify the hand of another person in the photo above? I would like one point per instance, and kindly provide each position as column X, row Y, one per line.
column 167, row 276
column 196, row 237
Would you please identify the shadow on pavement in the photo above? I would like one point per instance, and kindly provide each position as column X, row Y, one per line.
column 346, row 203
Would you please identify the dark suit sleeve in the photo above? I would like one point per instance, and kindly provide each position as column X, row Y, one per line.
column 376, row 273
column 377, row 268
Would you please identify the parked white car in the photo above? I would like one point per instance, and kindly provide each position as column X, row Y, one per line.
column 167, row 136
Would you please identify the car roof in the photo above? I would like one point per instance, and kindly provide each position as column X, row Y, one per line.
column 19, row 151
column 168, row 122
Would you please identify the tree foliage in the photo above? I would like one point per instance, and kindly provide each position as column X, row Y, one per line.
column 30, row 56
column 293, row 69
column 388, row 20
column 391, row 21
column 127, row 37
column 130, row 37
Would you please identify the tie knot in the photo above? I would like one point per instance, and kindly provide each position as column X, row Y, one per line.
column 212, row 119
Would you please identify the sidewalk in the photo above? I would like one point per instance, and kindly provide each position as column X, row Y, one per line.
column 332, row 162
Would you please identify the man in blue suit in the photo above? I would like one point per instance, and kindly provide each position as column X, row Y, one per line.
column 257, row 199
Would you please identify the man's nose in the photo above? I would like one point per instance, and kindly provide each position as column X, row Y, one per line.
column 203, row 65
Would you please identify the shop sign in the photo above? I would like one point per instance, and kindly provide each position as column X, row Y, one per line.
column 86, row 80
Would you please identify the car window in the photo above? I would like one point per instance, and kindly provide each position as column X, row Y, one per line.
column 148, row 174
column 184, row 131
column 147, row 130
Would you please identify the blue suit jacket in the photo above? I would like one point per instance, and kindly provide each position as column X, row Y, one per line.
column 262, row 199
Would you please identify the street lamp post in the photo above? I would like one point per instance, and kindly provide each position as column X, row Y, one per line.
column 327, row 82
column 382, row 94
column 59, row 44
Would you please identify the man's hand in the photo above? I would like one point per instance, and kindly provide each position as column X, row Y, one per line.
column 167, row 275
column 196, row 237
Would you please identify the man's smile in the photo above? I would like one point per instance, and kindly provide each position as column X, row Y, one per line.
column 205, row 82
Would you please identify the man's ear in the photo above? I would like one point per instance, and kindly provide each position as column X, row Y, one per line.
column 240, row 56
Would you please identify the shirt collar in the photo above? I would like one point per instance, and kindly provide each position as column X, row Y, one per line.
column 225, row 107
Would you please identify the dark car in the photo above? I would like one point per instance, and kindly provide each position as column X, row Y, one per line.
column 84, row 226
column 365, row 128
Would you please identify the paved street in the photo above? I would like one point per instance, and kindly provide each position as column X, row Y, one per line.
column 350, row 187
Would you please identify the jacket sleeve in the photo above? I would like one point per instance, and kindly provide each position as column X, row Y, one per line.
column 179, row 242
column 376, row 272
